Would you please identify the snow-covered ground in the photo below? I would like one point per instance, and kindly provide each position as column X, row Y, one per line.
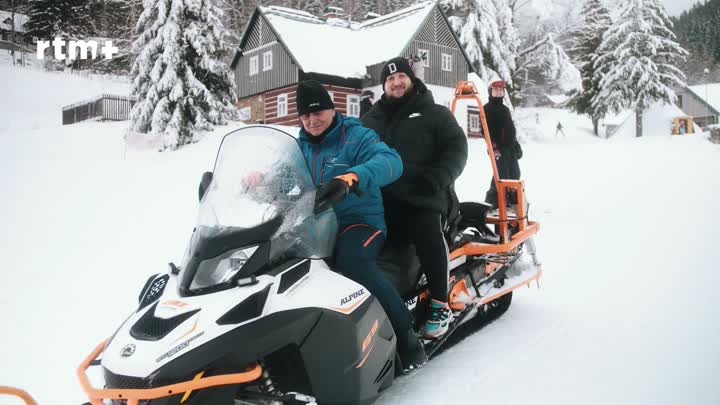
column 625, row 314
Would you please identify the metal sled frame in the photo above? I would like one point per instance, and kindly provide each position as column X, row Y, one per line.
column 133, row 396
column 466, row 90
column 16, row 392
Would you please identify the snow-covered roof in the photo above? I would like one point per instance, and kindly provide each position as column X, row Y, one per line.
column 713, row 94
column 343, row 48
column 657, row 121
column 6, row 21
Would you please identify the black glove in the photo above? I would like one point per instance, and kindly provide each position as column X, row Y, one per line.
column 330, row 193
column 425, row 186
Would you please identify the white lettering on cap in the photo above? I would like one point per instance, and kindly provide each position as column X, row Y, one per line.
column 392, row 68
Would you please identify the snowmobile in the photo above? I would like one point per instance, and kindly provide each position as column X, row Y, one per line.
column 256, row 314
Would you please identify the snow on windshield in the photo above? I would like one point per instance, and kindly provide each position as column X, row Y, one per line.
column 259, row 173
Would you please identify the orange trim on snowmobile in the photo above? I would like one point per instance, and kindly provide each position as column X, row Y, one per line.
column 457, row 291
column 188, row 393
column 370, row 335
column 188, row 332
column 18, row 393
column 347, row 311
column 476, row 249
column 133, row 396
column 366, row 356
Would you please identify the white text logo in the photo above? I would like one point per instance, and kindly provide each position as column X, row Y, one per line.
column 73, row 48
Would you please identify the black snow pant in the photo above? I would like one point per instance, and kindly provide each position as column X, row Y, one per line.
column 508, row 168
column 424, row 228
column 356, row 252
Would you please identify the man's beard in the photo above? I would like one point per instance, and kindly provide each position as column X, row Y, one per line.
column 407, row 92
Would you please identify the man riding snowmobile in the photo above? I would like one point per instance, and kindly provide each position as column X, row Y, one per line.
column 252, row 315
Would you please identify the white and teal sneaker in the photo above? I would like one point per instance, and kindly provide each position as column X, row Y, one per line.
column 439, row 321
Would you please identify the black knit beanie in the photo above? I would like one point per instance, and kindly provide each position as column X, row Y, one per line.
column 312, row 97
column 395, row 65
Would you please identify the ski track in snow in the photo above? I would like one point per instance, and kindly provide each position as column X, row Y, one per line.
column 624, row 315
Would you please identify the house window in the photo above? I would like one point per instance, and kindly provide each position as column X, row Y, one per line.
column 447, row 62
column 332, row 96
column 679, row 101
column 267, row 61
column 474, row 123
column 353, row 106
column 282, row 105
column 253, row 65
column 424, row 56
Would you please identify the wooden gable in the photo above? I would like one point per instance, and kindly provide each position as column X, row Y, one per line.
column 434, row 38
column 253, row 74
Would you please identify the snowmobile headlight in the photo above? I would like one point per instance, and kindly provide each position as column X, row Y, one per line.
column 221, row 269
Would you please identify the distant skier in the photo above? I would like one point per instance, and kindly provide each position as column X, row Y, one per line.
column 505, row 145
column 559, row 129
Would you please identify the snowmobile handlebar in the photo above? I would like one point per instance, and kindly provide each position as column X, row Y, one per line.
column 332, row 193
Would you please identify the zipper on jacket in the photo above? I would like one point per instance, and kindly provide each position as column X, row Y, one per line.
column 317, row 153
column 322, row 169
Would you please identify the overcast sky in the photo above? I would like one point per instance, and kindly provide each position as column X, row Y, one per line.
column 675, row 7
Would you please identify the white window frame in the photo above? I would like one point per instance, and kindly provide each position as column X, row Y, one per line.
column 353, row 105
column 254, row 62
column 426, row 61
column 474, row 119
column 282, row 105
column 267, row 61
column 446, row 62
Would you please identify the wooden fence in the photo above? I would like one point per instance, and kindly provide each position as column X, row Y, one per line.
column 106, row 107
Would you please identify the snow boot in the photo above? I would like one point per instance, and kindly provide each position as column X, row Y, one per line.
column 439, row 322
column 411, row 351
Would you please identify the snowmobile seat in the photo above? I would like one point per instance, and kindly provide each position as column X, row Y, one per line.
column 470, row 225
column 401, row 266
column 472, row 213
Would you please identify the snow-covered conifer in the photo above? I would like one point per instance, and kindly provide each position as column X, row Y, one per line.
column 481, row 37
column 59, row 18
column 639, row 54
column 596, row 21
column 180, row 82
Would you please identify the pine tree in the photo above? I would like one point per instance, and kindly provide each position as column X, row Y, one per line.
column 588, row 39
column 180, row 82
column 508, row 34
column 59, row 18
column 476, row 22
column 639, row 55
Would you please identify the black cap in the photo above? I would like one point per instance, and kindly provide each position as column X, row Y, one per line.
column 396, row 65
column 312, row 97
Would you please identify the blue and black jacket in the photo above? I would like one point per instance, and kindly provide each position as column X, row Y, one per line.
column 351, row 148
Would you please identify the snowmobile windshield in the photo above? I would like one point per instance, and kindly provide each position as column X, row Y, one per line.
column 257, row 209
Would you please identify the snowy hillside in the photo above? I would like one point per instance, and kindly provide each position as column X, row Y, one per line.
column 625, row 315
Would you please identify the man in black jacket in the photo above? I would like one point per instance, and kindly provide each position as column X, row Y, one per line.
column 433, row 148
column 502, row 133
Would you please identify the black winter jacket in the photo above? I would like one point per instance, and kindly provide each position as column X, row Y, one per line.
column 500, row 124
column 430, row 142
